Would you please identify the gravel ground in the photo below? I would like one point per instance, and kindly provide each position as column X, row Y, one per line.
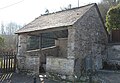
column 109, row 76
column 21, row 78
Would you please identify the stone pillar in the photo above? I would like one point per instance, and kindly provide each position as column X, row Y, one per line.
column 71, row 48
column 28, row 61
column 22, row 46
column 71, row 43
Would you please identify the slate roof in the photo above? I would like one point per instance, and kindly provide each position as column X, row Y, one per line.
column 56, row 20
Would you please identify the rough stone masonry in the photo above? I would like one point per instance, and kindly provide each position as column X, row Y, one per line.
column 84, row 46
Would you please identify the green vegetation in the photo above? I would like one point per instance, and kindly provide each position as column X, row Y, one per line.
column 113, row 18
column 1, row 42
column 104, row 6
column 7, row 37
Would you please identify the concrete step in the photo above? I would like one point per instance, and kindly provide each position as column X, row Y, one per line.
column 113, row 64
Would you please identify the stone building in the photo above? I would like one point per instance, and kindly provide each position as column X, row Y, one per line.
column 68, row 42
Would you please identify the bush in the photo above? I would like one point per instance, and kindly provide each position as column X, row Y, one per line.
column 113, row 18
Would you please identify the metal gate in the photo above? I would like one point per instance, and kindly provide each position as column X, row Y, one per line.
column 7, row 62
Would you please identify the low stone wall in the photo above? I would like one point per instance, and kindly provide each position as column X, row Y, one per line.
column 32, row 60
column 113, row 51
column 61, row 66
column 32, row 64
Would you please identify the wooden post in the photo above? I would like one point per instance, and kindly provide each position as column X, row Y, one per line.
column 14, row 54
column 11, row 58
column 40, row 47
column 6, row 60
column 78, row 3
column 1, row 62
column 4, row 63
column 40, row 41
column 9, row 63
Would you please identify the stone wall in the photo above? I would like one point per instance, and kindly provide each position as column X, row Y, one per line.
column 30, row 61
column 86, row 43
column 90, row 36
column 34, row 58
column 32, row 64
column 26, row 64
column 87, row 37
column 60, row 66
column 113, row 51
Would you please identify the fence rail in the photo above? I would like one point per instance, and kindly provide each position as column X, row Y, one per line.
column 7, row 62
